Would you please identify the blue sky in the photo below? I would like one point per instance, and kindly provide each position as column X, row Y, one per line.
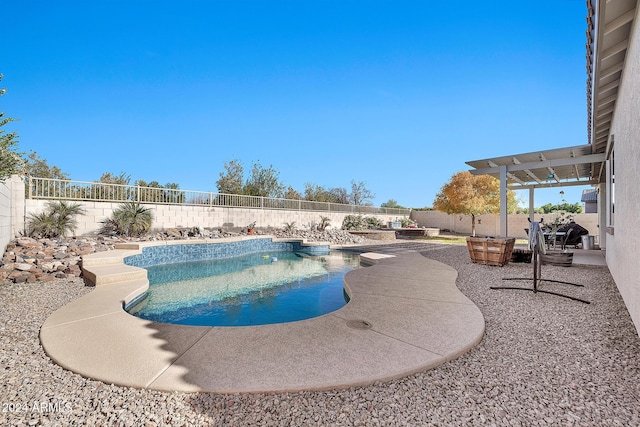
column 396, row 94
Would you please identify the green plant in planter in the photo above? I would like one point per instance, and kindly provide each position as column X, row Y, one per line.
column 289, row 226
column 558, row 222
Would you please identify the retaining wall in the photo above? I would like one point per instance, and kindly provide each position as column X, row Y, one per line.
column 175, row 216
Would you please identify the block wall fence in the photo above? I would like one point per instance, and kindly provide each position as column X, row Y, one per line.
column 176, row 216
column 489, row 225
column 15, row 209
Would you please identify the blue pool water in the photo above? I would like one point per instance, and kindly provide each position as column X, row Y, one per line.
column 254, row 289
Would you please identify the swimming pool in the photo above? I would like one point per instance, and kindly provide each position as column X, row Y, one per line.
column 251, row 289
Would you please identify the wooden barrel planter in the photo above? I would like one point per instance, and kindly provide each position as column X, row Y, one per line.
column 490, row 251
column 559, row 258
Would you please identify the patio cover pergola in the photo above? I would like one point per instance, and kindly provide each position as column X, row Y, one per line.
column 560, row 167
column 609, row 26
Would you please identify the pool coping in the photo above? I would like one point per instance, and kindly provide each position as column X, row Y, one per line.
column 405, row 315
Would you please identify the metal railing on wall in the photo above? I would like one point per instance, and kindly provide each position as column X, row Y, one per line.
column 60, row 189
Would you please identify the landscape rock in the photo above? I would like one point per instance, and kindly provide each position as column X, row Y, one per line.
column 22, row 266
column 543, row 361
column 27, row 259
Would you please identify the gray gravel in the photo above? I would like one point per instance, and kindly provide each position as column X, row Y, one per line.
column 544, row 361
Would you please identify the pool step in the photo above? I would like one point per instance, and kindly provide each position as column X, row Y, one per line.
column 106, row 274
column 112, row 257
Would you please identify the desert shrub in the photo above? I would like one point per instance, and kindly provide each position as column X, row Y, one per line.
column 324, row 223
column 289, row 226
column 129, row 219
column 353, row 222
column 359, row 222
column 373, row 222
column 58, row 219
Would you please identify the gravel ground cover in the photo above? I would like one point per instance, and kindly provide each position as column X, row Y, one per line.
column 544, row 361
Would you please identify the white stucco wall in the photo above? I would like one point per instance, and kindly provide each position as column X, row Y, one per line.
column 623, row 246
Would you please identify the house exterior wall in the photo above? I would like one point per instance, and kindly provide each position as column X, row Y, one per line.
column 622, row 241
column 590, row 207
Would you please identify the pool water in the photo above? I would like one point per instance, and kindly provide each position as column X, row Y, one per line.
column 254, row 289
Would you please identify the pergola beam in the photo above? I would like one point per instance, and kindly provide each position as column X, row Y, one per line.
column 567, row 161
column 553, row 184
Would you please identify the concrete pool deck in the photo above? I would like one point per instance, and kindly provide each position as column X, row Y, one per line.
column 405, row 315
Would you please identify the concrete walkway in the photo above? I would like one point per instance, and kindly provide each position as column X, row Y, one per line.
column 405, row 315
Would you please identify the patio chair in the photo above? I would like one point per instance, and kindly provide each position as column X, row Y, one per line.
column 576, row 231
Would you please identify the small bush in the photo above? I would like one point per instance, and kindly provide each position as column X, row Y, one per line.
column 373, row 223
column 353, row 222
column 58, row 219
column 358, row 222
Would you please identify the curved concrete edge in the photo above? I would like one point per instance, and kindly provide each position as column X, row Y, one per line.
column 405, row 315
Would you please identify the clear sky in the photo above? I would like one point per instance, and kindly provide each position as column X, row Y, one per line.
column 398, row 94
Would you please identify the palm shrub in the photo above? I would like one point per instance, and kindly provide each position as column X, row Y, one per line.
column 129, row 219
column 289, row 226
column 58, row 219
column 324, row 223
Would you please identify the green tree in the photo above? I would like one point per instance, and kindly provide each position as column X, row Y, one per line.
column 561, row 207
column 263, row 182
column 39, row 168
column 110, row 178
column 113, row 187
column 292, row 194
column 339, row 195
column 36, row 167
column 155, row 192
column 10, row 160
column 232, row 179
column 473, row 195
column 391, row 203
column 317, row 193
